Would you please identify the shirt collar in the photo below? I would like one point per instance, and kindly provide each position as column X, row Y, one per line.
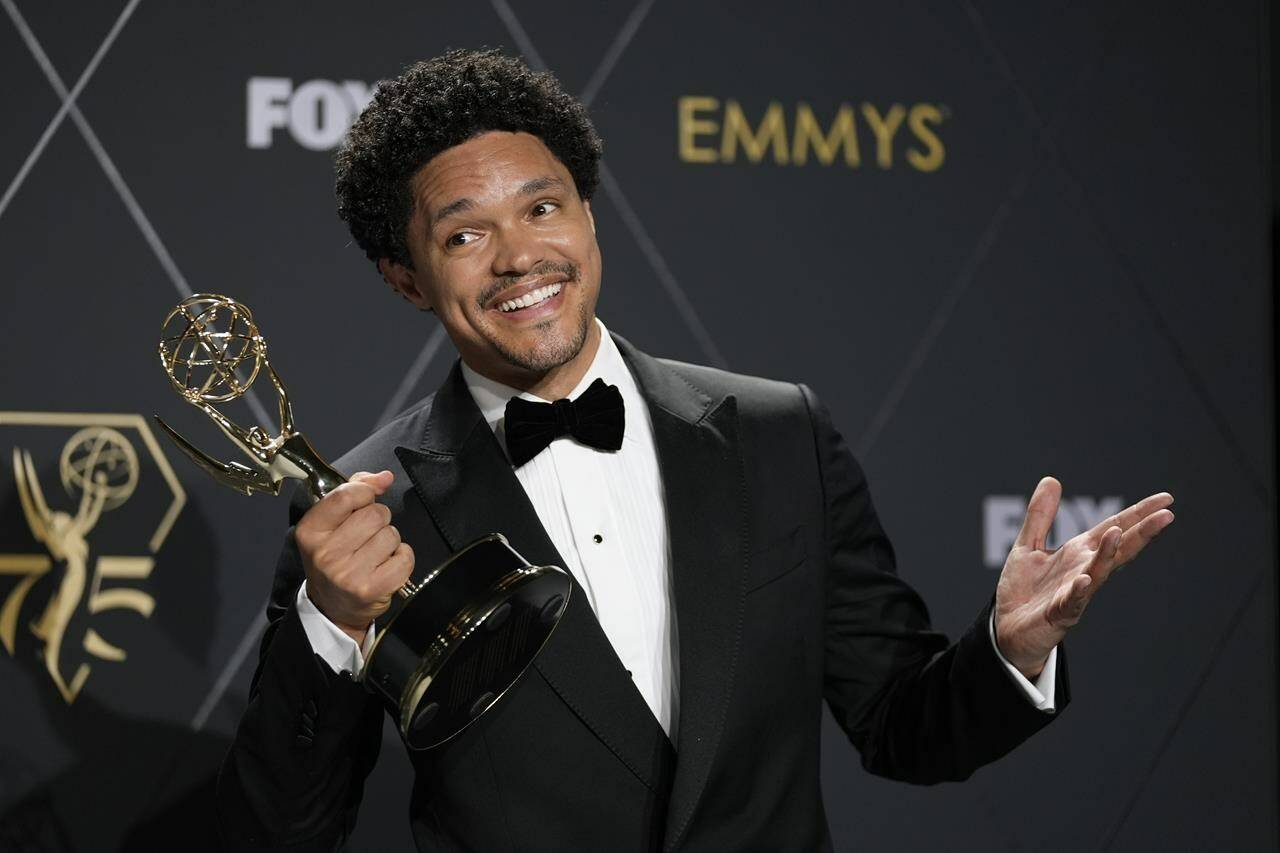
column 491, row 397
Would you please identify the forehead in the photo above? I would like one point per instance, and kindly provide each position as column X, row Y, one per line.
column 485, row 169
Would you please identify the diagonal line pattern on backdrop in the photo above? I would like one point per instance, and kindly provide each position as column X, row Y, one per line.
column 518, row 34
column 1184, row 709
column 614, row 53
column 960, row 286
column 71, row 108
column 68, row 98
column 942, row 313
column 1199, row 387
column 230, row 668
column 650, row 249
column 411, row 376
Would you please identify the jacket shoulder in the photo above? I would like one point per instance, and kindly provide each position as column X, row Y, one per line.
column 756, row 395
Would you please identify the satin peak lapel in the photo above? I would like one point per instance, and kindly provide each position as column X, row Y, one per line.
column 705, row 488
column 469, row 489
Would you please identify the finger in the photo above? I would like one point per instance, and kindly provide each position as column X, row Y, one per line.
column 1105, row 558
column 1130, row 516
column 1068, row 605
column 334, row 508
column 1041, row 509
column 1137, row 537
column 379, row 547
column 359, row 527
column 395, row 571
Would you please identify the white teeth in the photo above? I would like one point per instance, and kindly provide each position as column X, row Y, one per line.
column 531, row 298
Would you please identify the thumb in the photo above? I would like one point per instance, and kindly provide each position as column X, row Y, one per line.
column 380, row 481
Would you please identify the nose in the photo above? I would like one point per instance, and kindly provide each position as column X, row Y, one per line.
column 518, row 251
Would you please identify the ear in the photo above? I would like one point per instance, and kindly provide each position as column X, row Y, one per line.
column 407, row 282
column 586, row 205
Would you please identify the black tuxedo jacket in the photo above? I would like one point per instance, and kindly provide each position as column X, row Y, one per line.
column 785, row 595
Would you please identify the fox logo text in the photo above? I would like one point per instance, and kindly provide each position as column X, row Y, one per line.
column 316, row 113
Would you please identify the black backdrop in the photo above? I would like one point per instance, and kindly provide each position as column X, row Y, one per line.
column 1000, row 240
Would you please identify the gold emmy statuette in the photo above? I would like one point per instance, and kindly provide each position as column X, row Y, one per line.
column 100, row 464
column 459, row 636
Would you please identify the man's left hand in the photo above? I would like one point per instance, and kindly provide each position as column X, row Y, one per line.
column 1042, row 594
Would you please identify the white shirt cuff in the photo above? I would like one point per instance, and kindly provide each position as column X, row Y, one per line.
column 328, row 640
column 1039, row 694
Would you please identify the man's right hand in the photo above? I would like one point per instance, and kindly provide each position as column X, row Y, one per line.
column 352, row 555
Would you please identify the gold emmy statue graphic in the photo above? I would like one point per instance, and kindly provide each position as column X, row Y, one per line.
column 458, row 637
column 101, row 465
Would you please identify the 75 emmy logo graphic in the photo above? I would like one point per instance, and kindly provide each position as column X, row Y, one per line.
column 94, row 499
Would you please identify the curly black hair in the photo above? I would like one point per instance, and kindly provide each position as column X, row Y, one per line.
column 435, row 105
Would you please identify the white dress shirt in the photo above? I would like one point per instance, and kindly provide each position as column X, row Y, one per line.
column 606, row 515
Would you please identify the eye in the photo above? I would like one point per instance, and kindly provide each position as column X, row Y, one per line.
column 544, row 206
column 458, row 239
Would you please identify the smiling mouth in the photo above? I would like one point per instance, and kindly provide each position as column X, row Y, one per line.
column 533, row 297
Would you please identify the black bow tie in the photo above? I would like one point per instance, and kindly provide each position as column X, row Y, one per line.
column 596, row 419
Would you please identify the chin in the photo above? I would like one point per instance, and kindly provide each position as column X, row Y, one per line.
column 553, row 345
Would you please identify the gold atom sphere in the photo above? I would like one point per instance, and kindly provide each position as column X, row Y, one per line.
column 210, row 348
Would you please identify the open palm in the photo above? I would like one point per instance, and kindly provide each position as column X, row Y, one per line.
column 1042, row 594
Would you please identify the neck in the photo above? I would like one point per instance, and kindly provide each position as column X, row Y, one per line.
column 557, row 382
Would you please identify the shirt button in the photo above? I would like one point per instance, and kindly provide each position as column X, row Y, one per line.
column 597, row 538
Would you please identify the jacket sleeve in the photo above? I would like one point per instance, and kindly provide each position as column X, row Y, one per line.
column 293, row 777
column 917, row 708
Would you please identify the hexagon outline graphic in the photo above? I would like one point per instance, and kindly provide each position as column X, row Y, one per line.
column 134, row 421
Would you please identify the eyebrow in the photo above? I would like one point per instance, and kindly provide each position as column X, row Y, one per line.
column 462, row 205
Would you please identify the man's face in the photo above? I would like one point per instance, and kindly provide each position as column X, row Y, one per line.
column 504, row 251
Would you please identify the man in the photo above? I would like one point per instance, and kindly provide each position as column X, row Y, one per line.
column 730, row 572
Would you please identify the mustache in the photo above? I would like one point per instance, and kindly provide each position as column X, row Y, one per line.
column 567, row 269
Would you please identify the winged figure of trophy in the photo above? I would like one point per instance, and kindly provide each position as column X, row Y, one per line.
column 462, row 633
